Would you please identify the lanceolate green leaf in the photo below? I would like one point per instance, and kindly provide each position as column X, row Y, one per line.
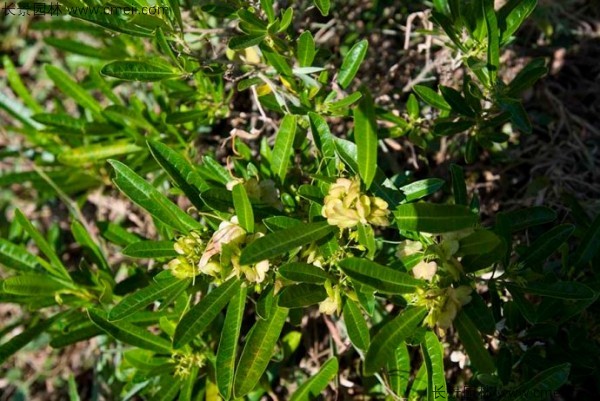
column 478, row 243
column 146, row 296
column 139, row 71
column 228, row 345
column 459, row 187
column 301, row 295
column 180, row 170
column 17, row 257
column 306, row 49
column 433, row 355
column 512, row 15
column 283, row 149
column 56, row 267
column 18, row 87
column 93, row 251
column 323, row 6
column 381, row 278
column 129, row 333
column 528, row 217
column 434, row 218
column 95, row 153
column 543, row 383
column 422, row 188
column 312, row 387
column 243, row 208
column 365, row 136
column 323, row 140
column 283, row 241
column 546, row 245
column 457, row 101
column 560, row 289
column 391, row 336
column 258, row 350
column 471, row 340
column 20, row 340
column 431, row 97
column 493, row 49
column 150, row 249
column 242, row 42
column 71, row 88
column 304, row 273
column 399, row 370
column 32, row 285
column 356, row 325
column 590, row 245
column 352, row 62
column 148, row 197
column 197, row 319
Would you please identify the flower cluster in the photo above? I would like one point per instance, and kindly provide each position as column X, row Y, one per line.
column 184, row 363
column 333, row 302
column 443, row 304
column 220, row 257
column 345, row 206
column 190, row 249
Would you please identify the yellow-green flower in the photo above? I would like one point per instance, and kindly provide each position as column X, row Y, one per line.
column 408, row 248
column 345, row 206
column 255, row 273
column 443, row 304
column 333, row 302
column 425, row 270
column 184, row 363
column 190, row 249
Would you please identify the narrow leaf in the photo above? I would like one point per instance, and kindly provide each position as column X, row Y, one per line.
column 356, row 325
column 282, row 241
column 283, row 148
column 433, row 355
column 22, row 339
column 96, row 153
column 146, row 296
column 422, row 188
column 313, row 387
column 493, row 43
column 304, row 273
column 548, row 243
column 352, row 62
column 301, row 295
column 150, row 250
column 391, row 336
column 543, row 383
column 365, row 136
column 17, row 257
column 381, row 278
column 258, row 350
column 56, row 267
column 71, row 88
column 434, row 218
column 431, row 97
column 471, row 340
column 459, row 187
column 306, row 49
column 243, row 208
column 197, row 319
column 181, row 172
column 139, row 71
column 242, row 42
column 228, row 345
column 149, row 198
column 129, row 333
column 323, row 6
